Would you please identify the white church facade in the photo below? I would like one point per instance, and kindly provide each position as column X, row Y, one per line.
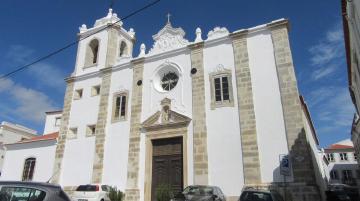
column 217, row 111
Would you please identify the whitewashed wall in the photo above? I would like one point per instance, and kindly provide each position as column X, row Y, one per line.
column 117, row 134
column 223, row 129
column 77, row 163
column 43, row 151
column 270, row 126
column 50, row 120
column 80, row 59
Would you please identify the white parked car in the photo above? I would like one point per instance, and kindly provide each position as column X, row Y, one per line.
column 91, row 192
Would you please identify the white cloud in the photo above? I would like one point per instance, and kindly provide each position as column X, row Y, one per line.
column 332, row 107
column 26, row 103
column 326, row 53
column 44, row 73
column 323, row 71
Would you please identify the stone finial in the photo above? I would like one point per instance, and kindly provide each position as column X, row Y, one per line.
column 109, row 13
column 142, row 50
column 83, row 28
column 198, row 35
column 131, row 32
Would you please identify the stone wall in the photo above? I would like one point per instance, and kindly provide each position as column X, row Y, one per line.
column 251, row 163
column 60, row 148
column 199, row 116
column 132, row 192
column 100, row 129
column 304, row 185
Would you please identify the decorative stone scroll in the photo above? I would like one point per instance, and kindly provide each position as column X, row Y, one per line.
column 168, row 38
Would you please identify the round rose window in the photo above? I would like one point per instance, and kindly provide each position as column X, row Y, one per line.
column 169, row 81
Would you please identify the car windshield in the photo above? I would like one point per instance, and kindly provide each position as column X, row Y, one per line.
column 199, row 190
column 87, row 188
column 258, row 196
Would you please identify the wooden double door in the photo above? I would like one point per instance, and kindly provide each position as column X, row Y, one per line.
column 167, row 165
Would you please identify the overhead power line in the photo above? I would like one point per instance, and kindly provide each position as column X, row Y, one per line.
column 21, row 68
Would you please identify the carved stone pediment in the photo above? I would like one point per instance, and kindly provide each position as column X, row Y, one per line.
column 164, row 119
column 168, row 38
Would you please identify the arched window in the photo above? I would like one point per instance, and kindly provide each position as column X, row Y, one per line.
column 29, row 168
column 123, row 49
column 92, row 53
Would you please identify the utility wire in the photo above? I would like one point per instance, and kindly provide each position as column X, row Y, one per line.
column 75, row 42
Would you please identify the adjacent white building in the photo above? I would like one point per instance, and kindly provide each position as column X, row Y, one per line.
column 343, row 166
column 10, row 133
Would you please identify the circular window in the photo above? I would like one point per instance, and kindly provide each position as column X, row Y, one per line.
column 169, row 81
column 166, row 78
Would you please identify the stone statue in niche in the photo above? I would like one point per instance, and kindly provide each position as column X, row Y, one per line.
column 165, row 114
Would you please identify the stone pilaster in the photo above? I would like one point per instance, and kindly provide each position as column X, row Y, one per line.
column 60, row 147
column 250, row 152
column 132, row 192
column 294, row 125
column 199, row 116
column 100, row 130
column 304, row 186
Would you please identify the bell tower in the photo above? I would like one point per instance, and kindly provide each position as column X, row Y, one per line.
column 104, row 44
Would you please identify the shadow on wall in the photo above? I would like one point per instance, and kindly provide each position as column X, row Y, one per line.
column 301, row 185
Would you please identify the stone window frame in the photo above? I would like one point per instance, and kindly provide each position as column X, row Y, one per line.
column 120, row 118
column 78, row 93
column 123, row 52
column 72, row 132
column 90, row 130
column 95, row 90
column 88, row 48
column 218, row 74
column 57, row 122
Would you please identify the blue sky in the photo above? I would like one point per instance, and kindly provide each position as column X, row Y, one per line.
column 31, row 29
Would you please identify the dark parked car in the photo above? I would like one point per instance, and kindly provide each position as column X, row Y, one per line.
column 31, row 191
column 260, row 195
column 200, row 193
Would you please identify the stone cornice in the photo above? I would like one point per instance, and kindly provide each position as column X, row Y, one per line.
column 279, row 24
column 70, row 79
column 239, row 34
column 195, row 46
column 106, row 70
column 138, row 60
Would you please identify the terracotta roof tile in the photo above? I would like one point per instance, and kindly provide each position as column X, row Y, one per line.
column 50, row 136
column 340, row 146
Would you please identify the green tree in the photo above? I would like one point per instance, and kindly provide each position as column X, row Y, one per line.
column 115, row 194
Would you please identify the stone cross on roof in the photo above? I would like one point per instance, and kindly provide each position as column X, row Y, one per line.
column 168, row 16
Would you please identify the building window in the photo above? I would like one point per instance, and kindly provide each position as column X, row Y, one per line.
column 95, row 90
column 57, row 121
column 72, row 132
column 92, row 51
column 221, row 89
column 78, row 94
column 343, row 157
column 330, row 157
column 29, row 168
column 334, row 174
column 120, row 107
column 123, row 49
column 169, row 81
column 90, row 130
